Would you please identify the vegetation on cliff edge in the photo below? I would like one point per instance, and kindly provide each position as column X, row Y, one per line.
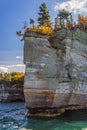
column 14, row 76
column 63, row 20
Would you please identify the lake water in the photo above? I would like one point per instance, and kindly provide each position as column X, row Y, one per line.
column 12, row 117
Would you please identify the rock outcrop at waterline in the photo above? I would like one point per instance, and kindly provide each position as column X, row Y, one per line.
column 11, row 91
column 56, row 72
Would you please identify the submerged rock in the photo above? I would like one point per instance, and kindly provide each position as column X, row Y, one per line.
column 56, row 72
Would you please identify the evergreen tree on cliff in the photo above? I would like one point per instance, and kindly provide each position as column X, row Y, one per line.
column 44, row 15
column 31, row 22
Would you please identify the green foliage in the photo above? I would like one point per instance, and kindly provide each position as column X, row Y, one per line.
column 31, row 22
column 44, row 15
column 64, row 14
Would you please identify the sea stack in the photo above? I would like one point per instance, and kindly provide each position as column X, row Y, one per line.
column 55, row 72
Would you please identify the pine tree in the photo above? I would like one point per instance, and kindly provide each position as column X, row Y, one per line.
column 64, row 15
column 31, row 22
column 44, row 15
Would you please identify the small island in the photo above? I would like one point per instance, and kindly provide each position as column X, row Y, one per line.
column 56, row 64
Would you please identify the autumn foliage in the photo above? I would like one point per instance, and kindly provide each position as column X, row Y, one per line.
column 18, row 76
column 14, row 76
column 46, row 28
column 82, row 20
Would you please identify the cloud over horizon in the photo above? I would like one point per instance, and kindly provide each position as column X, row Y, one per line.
column 12, row 68
column 75, row 6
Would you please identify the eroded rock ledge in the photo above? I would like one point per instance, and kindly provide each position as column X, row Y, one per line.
column 11, row 91
column 56, row 72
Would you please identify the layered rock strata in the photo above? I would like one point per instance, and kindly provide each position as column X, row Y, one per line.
column 56, row 72
column 11, row 91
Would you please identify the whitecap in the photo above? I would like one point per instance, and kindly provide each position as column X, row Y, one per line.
column 84, row 128
column 25, row 129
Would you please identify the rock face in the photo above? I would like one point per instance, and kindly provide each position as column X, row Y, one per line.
column 56, row 72
column 10, row 92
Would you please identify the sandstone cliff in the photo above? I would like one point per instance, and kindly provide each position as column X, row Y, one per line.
column 56, row 72
column 11, row 91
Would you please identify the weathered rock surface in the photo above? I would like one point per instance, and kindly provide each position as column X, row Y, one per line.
column 56, row 72
column 10, row 91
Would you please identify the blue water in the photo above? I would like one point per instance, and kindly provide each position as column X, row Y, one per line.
column 12, row 117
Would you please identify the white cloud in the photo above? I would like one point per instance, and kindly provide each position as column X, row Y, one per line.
column 19, row 57
column 12, row 68
column 3, row 69
column 75, row 6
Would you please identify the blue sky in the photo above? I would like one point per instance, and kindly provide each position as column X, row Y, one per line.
column 13, row 13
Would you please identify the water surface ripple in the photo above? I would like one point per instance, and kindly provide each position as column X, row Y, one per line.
column 12, row 117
